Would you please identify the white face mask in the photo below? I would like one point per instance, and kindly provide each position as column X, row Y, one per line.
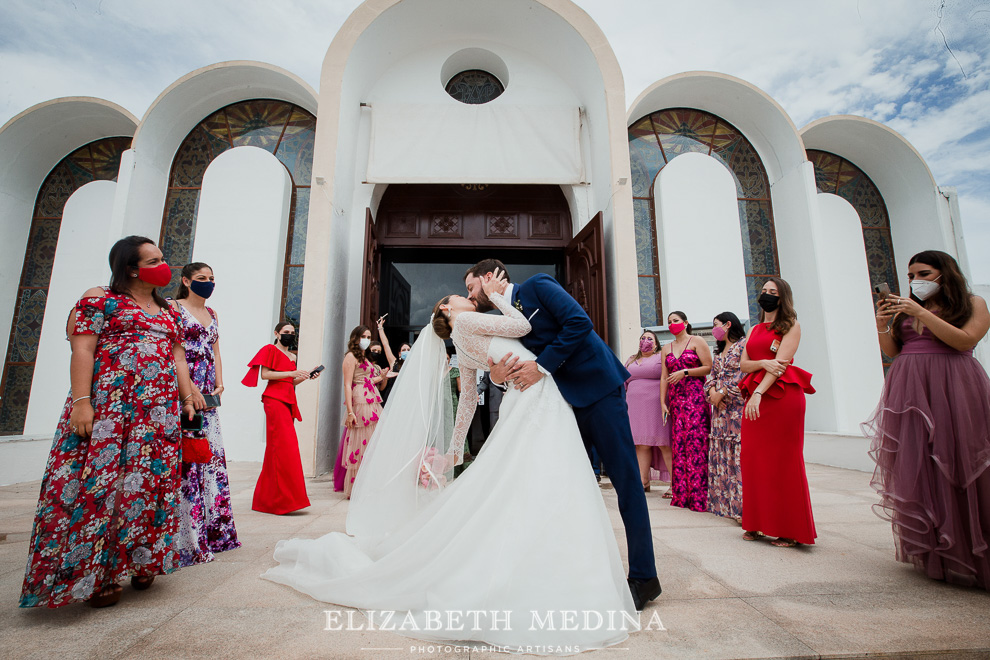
column 924, row 289
column 364, row 343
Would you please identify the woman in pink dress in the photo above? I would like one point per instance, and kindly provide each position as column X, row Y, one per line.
column 651, row 436
column 363, row 401
column 931, row 431
column 686, row 362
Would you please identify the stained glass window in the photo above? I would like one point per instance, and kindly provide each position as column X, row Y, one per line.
column 283, row 129
column 836, row 175
column 656, row 139
column 474, row 87
column 97, row 161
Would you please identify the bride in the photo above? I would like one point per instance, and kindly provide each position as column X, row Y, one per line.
column 517, row 552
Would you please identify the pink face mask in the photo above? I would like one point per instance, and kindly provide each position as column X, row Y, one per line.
column 718, row 332
column 646, row 345
column 676, row 328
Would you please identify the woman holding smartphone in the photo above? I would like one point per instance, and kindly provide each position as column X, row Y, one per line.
column 931, row 430
column 207, row 521
column 363, row 401
column 281, row 486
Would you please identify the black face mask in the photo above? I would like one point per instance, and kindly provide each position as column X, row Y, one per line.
column 377, row 357
column 290, row 341
column 768, row 302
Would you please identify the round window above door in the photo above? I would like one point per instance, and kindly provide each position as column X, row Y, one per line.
column 474, row 87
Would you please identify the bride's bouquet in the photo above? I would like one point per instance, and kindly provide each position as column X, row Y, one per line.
column 432, row 468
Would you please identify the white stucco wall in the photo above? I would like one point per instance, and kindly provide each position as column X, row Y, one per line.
column 697, row 217
column 241, row 234
column 80, row 263
column 850, row 325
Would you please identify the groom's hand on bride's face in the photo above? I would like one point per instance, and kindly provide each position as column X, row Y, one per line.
column 526, row 375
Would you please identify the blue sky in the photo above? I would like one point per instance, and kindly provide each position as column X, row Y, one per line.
column 888, row 60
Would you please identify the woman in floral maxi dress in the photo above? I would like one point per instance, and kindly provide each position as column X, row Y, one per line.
column 722, row 391
column 363, row 401
column 108, row 507
column 207, row 521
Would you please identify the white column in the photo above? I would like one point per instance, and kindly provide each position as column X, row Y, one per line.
column 241, row 232
column 698, row 216
column 80, row 263
column 850, row 326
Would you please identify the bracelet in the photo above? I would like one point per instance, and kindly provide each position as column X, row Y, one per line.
column 760, row 393
column 883, row 332
column 188, row 396
column 351, row 413
column 74, row 401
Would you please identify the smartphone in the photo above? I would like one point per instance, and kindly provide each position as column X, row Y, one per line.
column 775, row 346
column 194, row 424
column 212, row 400
column 883, row 290
column 316, row 371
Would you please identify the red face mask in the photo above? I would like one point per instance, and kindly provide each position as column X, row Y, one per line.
column 159, row 275
column 676, row 328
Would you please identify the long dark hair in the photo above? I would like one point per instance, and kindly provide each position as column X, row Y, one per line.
column 683, row 316
column 125, row 255
column 188, row 271
column 953, row 300
column 735, row 332
column 353, row 344
column 786, row 316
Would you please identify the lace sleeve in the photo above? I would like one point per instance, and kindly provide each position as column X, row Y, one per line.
column 466, row 405
column 511, row 324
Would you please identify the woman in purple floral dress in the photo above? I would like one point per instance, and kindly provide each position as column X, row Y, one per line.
column 686, row 362
column 722, row 391
column 207, row 522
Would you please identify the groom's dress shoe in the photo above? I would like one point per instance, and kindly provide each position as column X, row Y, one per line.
column 643, row 591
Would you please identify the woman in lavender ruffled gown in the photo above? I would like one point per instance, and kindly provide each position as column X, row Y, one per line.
column 931, row 431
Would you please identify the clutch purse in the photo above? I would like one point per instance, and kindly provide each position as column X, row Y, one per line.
column 196, row 450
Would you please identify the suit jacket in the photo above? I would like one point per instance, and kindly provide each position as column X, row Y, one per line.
column 565, row 342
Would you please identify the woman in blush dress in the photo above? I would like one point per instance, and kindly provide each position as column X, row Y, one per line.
column 281, row 486
column 775, row 484
column 722, row 391
column 207, row 522
column 686, row 362
column 651, row 435
column 363, row 401
column 931, row 430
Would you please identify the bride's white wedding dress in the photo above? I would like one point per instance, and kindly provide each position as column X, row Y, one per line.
column 521, row 537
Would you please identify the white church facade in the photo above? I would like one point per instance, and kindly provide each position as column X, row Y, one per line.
column 443, row 132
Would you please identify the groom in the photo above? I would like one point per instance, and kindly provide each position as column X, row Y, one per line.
column 591, row 379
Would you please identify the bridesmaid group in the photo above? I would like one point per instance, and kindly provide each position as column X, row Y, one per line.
column 729, row 428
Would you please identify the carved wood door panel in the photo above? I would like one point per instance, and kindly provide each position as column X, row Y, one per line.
column 370, row 282
column 585, row 273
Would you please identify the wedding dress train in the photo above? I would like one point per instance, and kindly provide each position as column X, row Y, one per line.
column 517, row 552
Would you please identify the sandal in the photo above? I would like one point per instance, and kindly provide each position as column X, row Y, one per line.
column 781, row 542
column 752, row 536
column 140, row 583
column 107, row 597
column 646, row 488
column 668, row 495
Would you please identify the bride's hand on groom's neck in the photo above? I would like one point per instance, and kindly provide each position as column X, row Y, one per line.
column 495, row 282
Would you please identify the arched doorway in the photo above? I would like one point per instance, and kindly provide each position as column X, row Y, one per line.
column 427, row 236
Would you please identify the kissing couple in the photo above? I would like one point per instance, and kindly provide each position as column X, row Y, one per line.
column 524, row 530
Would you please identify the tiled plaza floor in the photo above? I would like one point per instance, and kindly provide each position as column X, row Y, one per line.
column 844, row 597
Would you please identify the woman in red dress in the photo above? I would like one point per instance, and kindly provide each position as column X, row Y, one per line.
column 775, row 486
column 281, row 486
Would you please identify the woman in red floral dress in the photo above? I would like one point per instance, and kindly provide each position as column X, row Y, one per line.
column 108, row 508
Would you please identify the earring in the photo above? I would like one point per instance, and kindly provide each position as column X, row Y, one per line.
column 133, row 274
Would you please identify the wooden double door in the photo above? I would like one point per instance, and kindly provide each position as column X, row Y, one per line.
column 426, row 236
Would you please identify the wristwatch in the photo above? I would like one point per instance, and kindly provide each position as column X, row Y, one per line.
column 686, row 373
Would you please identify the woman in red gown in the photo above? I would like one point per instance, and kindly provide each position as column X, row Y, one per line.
column 281, row 486
column 776, row 500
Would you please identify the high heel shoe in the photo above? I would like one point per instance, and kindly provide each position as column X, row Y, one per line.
column 140, row 583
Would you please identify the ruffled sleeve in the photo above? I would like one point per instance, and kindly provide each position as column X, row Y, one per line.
column 792, row 376
column 92, row 315
column 268, row 356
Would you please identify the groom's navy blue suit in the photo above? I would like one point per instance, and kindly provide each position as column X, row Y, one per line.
column 591, row 379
